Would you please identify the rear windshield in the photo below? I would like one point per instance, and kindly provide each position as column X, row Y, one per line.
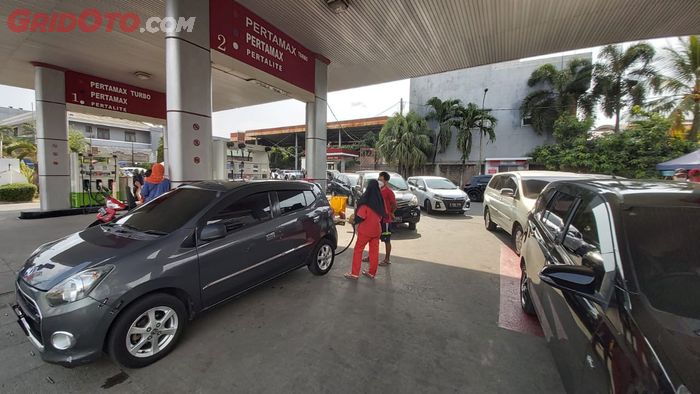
column 168, row 212
column 533, row 187
column 663, row 246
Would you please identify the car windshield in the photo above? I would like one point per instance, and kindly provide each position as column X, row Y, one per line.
column 395, row 183
column 533, row 187
column 353, row 178
column 168, row 212
column 440, row 183
column 662, row 242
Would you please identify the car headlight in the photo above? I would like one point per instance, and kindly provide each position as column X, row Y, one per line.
column 438, row 197
column 413, row 201
column 77, row 286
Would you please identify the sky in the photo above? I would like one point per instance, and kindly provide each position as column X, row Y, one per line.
column 364, row 102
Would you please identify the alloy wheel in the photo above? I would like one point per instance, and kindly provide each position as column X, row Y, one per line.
column 324, row 257
column 152, row 332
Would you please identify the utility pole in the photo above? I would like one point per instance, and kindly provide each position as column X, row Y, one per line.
column 481, row 135
column 296, row 151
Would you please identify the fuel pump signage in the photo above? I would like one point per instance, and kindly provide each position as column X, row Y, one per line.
column 100, row 93
column 237, row 32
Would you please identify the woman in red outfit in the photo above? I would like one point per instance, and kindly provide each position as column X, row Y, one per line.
column 368, row 217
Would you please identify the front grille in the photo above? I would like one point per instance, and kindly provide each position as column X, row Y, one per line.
column 31, row 312
column 402, row 204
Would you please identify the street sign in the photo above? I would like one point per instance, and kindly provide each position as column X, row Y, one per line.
column 100, row 93
column 240, row 34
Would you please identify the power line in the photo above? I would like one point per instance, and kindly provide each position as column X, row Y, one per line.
column 392, row 106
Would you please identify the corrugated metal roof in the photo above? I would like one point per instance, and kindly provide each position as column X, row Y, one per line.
column 373, row 41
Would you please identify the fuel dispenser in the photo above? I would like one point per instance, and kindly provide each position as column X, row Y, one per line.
column 90, row 175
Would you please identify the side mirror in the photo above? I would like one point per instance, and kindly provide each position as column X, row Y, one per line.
column 508, row 192
column 214, row 231
column 575, row 279
column 422, row 188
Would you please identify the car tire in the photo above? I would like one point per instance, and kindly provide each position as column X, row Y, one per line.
column 518, row 236
column 474, row 195
column 322, row 258
column 412, row 226
column 491, row 226
column 137, row 317
column 525, row 299
column 428, row 207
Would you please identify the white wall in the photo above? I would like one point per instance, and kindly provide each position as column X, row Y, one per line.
column 9, row 172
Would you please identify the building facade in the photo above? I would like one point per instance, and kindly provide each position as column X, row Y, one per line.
column 507, row 87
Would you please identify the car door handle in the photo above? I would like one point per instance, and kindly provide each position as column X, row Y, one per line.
column 270, row 236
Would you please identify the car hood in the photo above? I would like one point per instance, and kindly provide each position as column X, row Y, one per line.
column 56, row 261
column 403, row 195
column 449, row 193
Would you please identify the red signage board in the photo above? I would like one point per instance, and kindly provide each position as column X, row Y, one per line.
column 90, row 91
column 237, row 32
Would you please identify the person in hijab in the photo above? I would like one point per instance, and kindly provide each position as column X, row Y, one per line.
column 155, row 184
column 368, row 217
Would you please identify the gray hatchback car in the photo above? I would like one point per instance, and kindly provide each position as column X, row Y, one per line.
column 130, row 287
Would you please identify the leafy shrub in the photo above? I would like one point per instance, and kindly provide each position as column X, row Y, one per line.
column 17, row 192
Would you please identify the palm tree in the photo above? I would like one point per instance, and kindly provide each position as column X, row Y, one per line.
column 445, row 114
column 473, row 119
column 683, row 83
column 405, row 141
column 25, row 149
column 563, row 91
column 622, row 78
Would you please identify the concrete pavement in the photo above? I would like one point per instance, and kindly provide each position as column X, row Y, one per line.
column 428, row 323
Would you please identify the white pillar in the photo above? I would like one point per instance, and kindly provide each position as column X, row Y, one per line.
column 219, row 159
column 52, row 138
column 188, row 82
column 316, row 133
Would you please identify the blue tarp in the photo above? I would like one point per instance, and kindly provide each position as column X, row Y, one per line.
column 691, row 160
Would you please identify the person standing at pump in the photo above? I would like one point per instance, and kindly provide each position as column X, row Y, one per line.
column 389, row 208
column 155, row 184
column 368, row 217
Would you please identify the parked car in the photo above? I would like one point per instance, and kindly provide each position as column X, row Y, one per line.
column 509, row 197
column 342, row 185
column 291, row 175
column 612, row 270
column 331, row 175
column 476, row 186
column 438, row 194
column 131, row 286
column 407, row 210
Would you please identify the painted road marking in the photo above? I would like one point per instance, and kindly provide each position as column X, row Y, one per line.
column 510, row 315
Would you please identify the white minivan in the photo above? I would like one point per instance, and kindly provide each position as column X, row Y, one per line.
column 510, row 196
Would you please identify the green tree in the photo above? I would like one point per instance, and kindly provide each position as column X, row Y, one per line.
column 76, row 141
column 405, row 141
column 281, row 157
column 622, row 78
column 562, row 91
column 445, row 114
column 631, row 154
column 682, row 80
column 473, row 119
column 568, row 128
column 160, row 152
column 369, row 140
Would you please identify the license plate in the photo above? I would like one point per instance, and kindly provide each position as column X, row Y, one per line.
column 398, row 219
column 102, row 211
column 455, row 205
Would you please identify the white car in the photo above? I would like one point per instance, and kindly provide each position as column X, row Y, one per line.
column 435, row 193
column 510, row 196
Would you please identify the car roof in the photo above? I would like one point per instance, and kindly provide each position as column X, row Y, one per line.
column 427, row 177
column 547, row 174
column 226, row 186
column 640, row 192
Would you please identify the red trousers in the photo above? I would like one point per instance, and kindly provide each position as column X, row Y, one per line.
column 362, row 241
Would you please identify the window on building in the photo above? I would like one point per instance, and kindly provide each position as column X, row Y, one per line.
column 88, row 131
column 130, row 136
column 102, row 133
column 526, row 121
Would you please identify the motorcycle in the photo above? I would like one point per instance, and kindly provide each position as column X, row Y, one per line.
column 112, row 209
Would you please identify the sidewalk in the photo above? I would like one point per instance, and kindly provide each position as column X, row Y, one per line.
column 24, row 206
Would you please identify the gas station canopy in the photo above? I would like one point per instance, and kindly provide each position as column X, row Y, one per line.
column 371, row 41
